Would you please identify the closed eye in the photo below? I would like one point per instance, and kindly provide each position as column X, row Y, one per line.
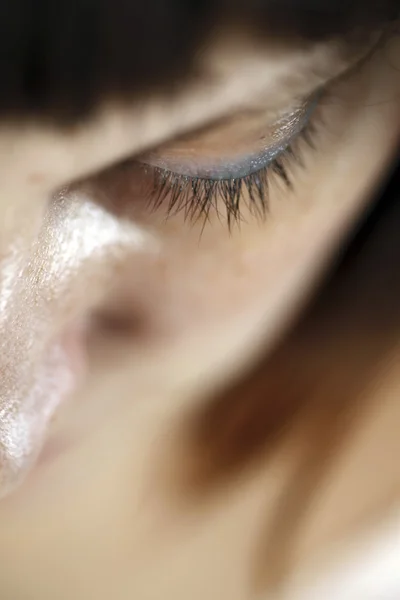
column 198, row 176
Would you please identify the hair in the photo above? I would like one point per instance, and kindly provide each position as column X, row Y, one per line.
column 60, row 58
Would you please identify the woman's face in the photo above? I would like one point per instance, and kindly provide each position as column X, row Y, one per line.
column 148, row 256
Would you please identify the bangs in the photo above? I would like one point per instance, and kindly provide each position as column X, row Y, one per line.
column 60, row 58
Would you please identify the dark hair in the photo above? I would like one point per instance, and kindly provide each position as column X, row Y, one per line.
column 60, row 57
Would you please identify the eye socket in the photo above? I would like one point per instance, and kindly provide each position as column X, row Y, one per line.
column 233, row 149
column 228, row 169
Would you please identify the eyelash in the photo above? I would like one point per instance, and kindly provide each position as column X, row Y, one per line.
column 196, row 197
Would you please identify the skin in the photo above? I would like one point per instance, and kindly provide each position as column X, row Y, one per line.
column 168, row 312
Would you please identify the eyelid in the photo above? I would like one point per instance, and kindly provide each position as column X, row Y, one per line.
column 281, row 134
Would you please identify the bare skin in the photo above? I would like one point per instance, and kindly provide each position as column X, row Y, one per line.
column 89, row 492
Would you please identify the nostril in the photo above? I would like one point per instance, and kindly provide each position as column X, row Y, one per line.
column 121, row 326
column 112, row 331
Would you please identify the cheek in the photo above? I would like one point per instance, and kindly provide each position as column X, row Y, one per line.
column 197, row 304
column 147, row 288
column 202, row 283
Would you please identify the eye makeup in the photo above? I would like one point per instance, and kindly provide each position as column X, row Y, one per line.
column 211, row 173
column 235, row 155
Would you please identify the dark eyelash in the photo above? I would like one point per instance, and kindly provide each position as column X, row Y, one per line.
column 196, row 198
